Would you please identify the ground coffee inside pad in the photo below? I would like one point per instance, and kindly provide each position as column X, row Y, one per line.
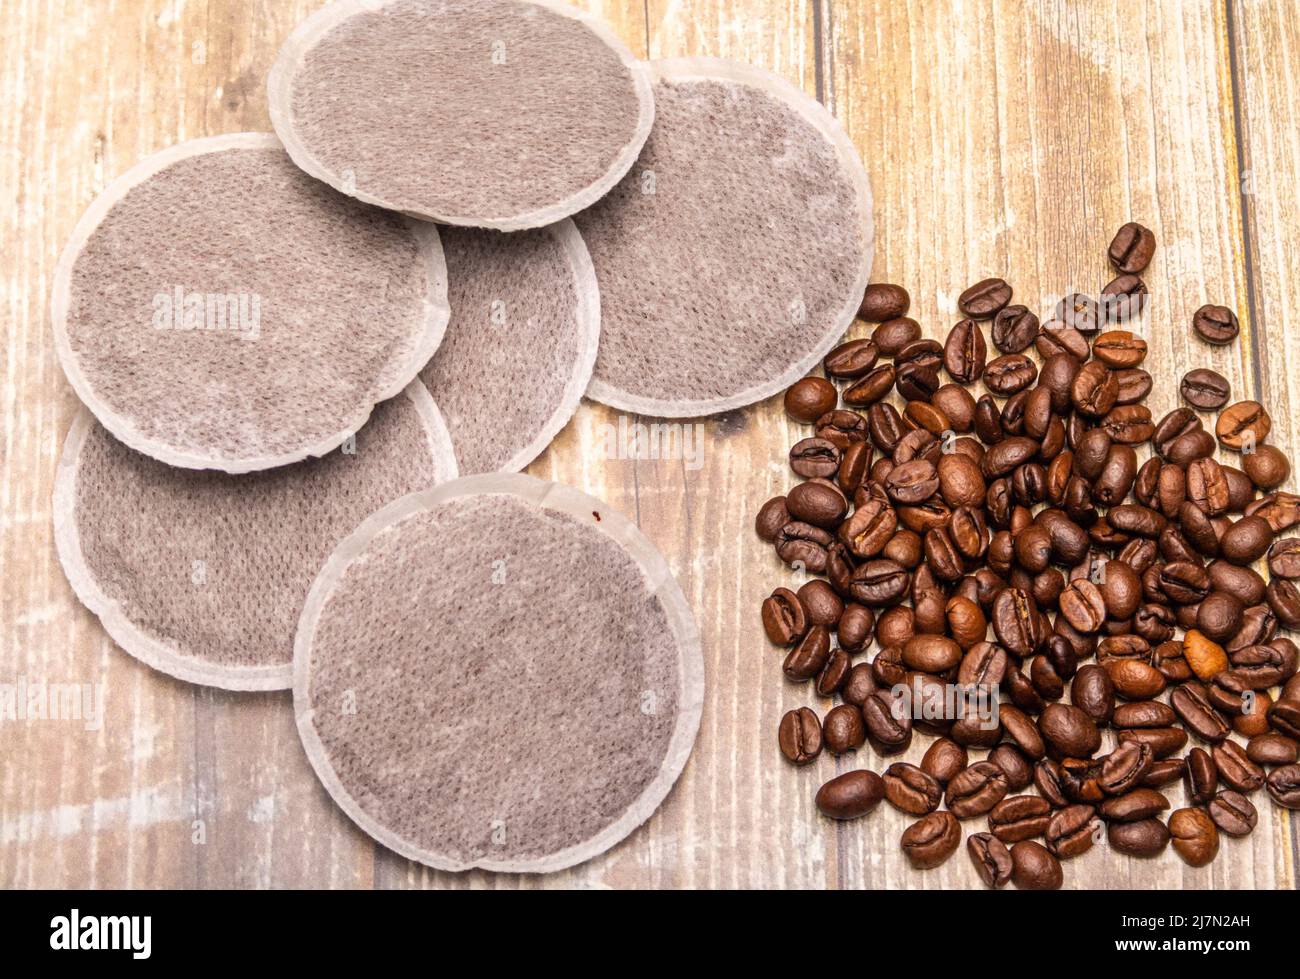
column 219, row 309
column 519, row 351
column 501, row 114
column 499, row 673
column 203, row 574
column 735, row 253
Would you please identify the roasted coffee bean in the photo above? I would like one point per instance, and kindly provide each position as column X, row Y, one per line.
column 809, row 399
column 814, row 458
column 991, row 858
column 931, row 654
column 1253, row 718
column 858, row 685
column 1095, row 390
column 855, row 464
column 976, row 790
column 852, row 359
column 1201, row 776
column 1143, row 838
column 1131, row 249
column 888, row 723
column 1267, row 466
column 893, row 335
column 1242, row 424
column 1092, row 692
column 851, row 795
column 784, row 618
column 957, row 403
column 1233, row 813
column 800, row 736
column 869, row 528
column 1034, row 868
column 843, row 729
column 965, row 352
column 1284, row 786
column 912, row 482
column 1135, row 679
column 1134, row 806
column 911, row 789
column 808, row 658
column 1068, row 731
column 1056, row 337
column 1244, row 583
column 1123, row 298
column 883, row 302
column 1219, row 616
column 879, row 583
column 984, row 299
column 1050, row 782
column 772, row 516
column 1134, row 385
column 1216, row 324
column 1144, row 713
column 1272, row 749
column 817, row 502
column 1069, row 831
column 842, row 428
column 1119, row 349
column 1018, row 769
column 1020, row 817
column 1014, row 329
column 1246, row 541
column 1206, row 657
column 1010, row 374
column 895, row 627
column 917, row 381
column 1164, row 741
column 1284, row 600
column 1083, row 605
column 871, row 386
column 1236, row 770
column 856, row 624
column 1205, row 389
column 943, row 760
column 931, row 840
column 1080, row 312
column 1164, row 771
column 803, row 545
column 1124, row 768
column 1195, row 837
column 1192, row 705
column 1015, row 621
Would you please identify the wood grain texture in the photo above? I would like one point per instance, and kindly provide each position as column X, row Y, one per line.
column 1002, row 137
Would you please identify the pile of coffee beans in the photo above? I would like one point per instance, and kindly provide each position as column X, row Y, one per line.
column 1039, row 570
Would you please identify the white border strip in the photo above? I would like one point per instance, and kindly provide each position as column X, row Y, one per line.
column 816, row 114
column 398, row 376
column 279, row 89
column 123, row 631
column 659, row 581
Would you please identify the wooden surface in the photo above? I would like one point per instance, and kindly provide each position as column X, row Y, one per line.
column 1002, row 138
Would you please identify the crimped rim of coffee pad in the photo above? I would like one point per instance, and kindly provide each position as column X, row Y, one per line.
column 428, row 325
column 571, row 510
column 586, row 314
column 149, row 647
column 314, row 30
column 685, row 70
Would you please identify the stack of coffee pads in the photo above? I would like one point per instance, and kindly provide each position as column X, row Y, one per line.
column 315, row 361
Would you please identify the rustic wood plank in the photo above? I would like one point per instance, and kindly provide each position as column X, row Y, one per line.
column 1266, row 44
